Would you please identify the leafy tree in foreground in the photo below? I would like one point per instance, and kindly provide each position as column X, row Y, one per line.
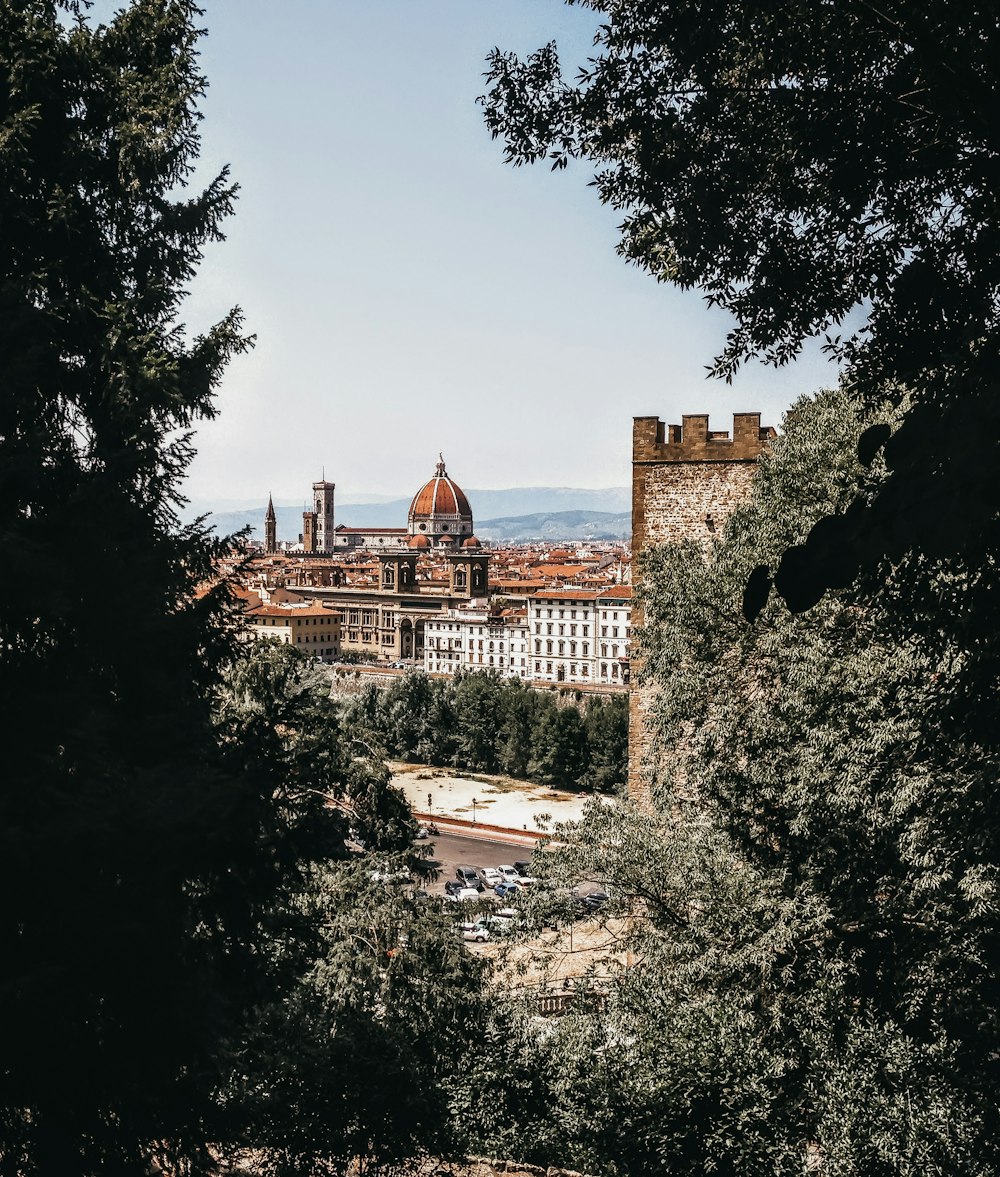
column 352, row 1069
column 814, row 168
column 368, row 998
column 814, row 981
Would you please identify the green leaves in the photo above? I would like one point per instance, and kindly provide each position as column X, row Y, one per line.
column 483, row 723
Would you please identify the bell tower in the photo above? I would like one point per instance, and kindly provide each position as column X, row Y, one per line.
column 270, row 528
column 322, row 506
column 398, row 572
column 469, row 569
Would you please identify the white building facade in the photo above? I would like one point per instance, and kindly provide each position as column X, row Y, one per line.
column 580, row 635
column 614, row 624
column 474, row 639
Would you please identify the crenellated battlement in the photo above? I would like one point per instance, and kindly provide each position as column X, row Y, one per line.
column 693, row 441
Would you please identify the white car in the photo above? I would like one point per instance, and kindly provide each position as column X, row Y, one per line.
column 510, row 875
column 464, row 893
column 475, row 932
column 491, row 875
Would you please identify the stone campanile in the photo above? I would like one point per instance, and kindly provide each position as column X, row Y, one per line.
column 324, row 539
column 685, row 481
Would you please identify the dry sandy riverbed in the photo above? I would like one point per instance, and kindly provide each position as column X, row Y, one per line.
column 499, row 800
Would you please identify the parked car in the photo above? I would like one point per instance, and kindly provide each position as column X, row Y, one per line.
column 490, row 875
column 453, row 886
column 478, row 932
column 462, row 894
column 469, row 876
column 523, row 868
column 589, row 897
column 512, row 875
column 507, row 890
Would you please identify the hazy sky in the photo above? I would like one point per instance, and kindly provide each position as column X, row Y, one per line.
column 409, row 291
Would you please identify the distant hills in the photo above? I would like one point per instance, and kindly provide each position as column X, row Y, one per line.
column 558, row 526
column 550, row 513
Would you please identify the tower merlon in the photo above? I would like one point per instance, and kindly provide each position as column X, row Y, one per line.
column 693, row 441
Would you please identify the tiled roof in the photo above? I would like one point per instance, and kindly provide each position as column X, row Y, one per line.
column 561, row 594
column 621, row 591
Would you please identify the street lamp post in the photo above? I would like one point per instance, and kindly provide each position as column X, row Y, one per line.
column 473, row 809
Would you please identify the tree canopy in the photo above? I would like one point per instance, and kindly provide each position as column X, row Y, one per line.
column 814, row 169
column 480, row 722
column 813, row 974
column 122, row 833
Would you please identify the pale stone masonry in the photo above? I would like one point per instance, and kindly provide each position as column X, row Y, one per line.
column 686, row 480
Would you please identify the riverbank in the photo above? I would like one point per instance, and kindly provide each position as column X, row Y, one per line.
column 498, row 801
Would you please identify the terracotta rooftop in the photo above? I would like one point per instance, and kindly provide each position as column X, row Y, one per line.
column 294, row 611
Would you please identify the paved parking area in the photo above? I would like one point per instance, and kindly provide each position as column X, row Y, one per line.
column 451, row 849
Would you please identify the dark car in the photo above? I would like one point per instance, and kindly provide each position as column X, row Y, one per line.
column 592, row 901
column 523, row 868
column 589, row 896
column 453, row 886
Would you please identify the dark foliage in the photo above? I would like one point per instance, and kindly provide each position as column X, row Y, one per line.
column 480, row 722
column 813, row 168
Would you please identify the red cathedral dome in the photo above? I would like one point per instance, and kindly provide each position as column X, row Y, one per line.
column 440, row 509
column 440, row 496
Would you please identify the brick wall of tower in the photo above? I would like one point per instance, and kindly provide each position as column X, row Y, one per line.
column 686, row 479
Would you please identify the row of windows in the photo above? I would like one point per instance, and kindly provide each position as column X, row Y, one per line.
column 584, row 629
column 300, row 620
column 562, row 613
column 584, row 671
column 584, row 648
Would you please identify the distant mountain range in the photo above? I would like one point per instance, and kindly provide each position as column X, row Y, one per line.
column 551, row 513
column 558, row 526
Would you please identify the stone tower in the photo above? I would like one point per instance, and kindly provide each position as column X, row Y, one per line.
column 323, row 510
column 469, row 570
column 685, row 481
column 270, row 528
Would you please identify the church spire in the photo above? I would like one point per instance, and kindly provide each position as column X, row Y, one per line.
column 270, row 527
